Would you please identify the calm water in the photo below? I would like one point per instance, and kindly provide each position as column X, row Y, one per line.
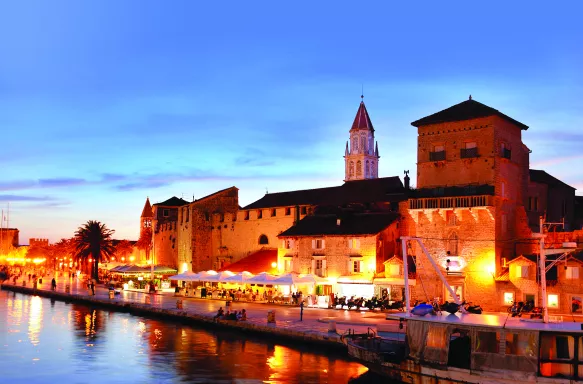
column 44, row 341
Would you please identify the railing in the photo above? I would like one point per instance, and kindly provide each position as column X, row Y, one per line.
column 467, row 153
column 506, row 153
column 437, row 156
column 451, row 202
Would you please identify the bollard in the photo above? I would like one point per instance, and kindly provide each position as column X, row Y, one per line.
column 67, row 288
column 111, row 294
column 271, row 316
column 147, row 300
column 178, row 304
column 332, row 326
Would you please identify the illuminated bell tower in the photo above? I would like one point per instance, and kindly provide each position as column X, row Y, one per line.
column 147, row 216
column 361, row 157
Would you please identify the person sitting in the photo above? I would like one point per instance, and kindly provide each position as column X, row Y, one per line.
column 232, row 316
column 219, row 315
column 242, row 316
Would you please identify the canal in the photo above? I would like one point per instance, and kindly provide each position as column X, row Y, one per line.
column 46, row 341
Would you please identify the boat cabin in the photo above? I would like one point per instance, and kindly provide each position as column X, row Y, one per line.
column 496, row 344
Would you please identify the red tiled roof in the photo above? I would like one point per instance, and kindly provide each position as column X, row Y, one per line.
column 466, row 110
column 255, row 263
column 362, row 120
column 147, row 212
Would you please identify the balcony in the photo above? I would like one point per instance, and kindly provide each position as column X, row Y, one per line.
column 468, row 153
column 506, row 153
column 437, row 156
column 451, row 202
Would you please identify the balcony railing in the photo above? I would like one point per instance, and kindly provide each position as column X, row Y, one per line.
column 506, row 153
column 451, row 202
column 467, row 153
column 437, row 156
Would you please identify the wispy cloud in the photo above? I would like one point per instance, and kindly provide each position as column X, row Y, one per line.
column 554, row 161
column 24, row 198
column 61, row 182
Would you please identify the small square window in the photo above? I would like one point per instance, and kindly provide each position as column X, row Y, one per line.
column 287, row 211
column 166, row 213
column 572, row 273
column 508, row 298
column 259, row 214
column 553, row 301
column 246, row 215
column 273, row 212
column 304, row 211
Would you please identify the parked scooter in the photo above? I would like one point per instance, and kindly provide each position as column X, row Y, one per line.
column 469, row 308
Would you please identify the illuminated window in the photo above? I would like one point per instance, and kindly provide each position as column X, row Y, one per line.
column 553, row 301
column 508, row 298
column 394, row 269
column 288, row 244
column 572, row 272
column 522, row 271
column 521, row 344
column 318, row 244
column 354, row 243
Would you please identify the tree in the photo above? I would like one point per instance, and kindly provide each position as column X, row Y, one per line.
column 93, row 241
column 123, row 248
column 144, row 243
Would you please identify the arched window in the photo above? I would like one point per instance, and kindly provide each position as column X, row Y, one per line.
column 367, row 170
column 351, row 170
column 453, row 244
column 263, row 240
column 358, row 168
column 355, row 144
column 363, row 143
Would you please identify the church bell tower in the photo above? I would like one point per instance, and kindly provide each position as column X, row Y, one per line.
column 361, row 156
column 146, row 217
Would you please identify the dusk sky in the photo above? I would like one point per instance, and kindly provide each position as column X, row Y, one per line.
column 103, row 103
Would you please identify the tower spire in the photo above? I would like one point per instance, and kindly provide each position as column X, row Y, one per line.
column 361, row 158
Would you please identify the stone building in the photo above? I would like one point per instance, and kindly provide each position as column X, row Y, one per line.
column 551, row 198
column 165, row 230
column 347, row 248
column 8, row 240
column 474, row 207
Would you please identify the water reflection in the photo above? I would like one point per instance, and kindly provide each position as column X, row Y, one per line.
column 35, row 319
column 74, row 343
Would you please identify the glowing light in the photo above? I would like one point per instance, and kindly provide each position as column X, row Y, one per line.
column 132, row 258
column 273, row 265
column 123, row 258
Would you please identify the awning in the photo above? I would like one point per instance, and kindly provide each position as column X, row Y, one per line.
column 354, row 279
column 393, row 281
column 264, row 260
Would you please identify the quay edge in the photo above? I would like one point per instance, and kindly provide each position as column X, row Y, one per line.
column 328, row 342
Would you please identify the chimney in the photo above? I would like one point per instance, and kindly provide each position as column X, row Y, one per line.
column 297, row 214
column 407, row 179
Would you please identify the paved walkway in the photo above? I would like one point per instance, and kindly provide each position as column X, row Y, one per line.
column 315, row 320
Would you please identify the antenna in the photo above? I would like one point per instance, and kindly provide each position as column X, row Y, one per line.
column 266, row 191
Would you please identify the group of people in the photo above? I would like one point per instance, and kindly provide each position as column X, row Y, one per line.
column 222, row 315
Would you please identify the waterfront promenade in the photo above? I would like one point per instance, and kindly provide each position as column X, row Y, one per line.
column 313, row 328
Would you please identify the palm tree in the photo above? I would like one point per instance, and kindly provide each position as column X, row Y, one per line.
column 93, row 240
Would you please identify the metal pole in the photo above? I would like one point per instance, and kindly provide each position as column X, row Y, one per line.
column 443, row 280
column 543, row 278
column 404, row 240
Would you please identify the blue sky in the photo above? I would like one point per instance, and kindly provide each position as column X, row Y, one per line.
column 103, row 103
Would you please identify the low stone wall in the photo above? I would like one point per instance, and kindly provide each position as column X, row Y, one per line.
column 148, row 310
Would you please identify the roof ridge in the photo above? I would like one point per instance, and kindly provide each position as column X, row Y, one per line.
column 212, row 194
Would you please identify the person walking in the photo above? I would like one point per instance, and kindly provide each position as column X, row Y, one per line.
column 93, row 287
column 302, row 311
column 53, row 284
